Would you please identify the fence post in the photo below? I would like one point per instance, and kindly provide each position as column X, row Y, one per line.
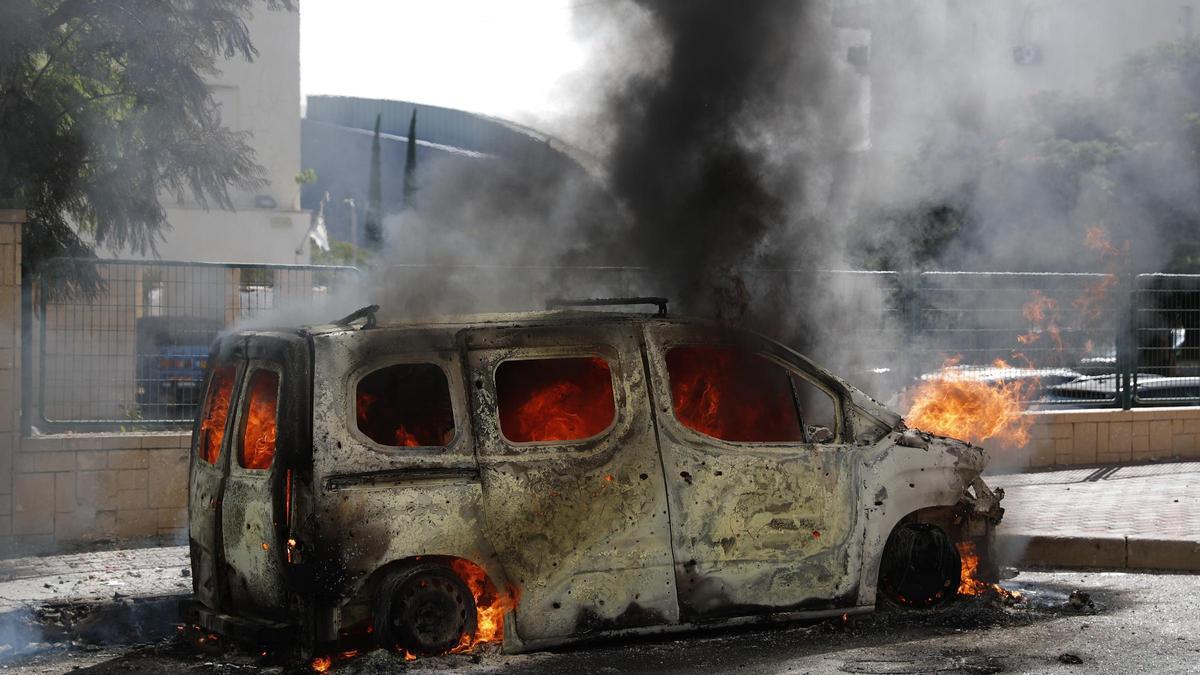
column 26, row 315
column 1127, row 343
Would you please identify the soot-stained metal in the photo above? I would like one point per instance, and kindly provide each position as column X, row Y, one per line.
column 649, row 525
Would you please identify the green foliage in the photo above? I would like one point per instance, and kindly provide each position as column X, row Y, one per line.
column 104, row 108
column 306, row 177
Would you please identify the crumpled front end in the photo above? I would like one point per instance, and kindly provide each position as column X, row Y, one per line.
column 917, row 480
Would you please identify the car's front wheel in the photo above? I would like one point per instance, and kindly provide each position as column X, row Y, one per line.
column 424, row 610
column 920, row 567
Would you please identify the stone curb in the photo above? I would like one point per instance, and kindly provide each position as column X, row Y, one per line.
column 1098, row 552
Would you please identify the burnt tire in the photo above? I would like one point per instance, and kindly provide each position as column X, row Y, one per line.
column 424, row 610
column 920, row 568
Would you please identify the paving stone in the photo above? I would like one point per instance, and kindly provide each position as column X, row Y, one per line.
column 1156, row 500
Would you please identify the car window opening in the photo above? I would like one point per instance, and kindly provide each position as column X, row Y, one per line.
column 733, row 395
column 558, row 399
column 406, row 405
column 818, row 412
column 216, row 412
column 257, row 448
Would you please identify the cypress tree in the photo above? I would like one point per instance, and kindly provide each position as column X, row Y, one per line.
column 410, row 164
column 373, row 224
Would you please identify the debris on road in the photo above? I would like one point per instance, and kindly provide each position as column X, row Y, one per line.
column 1080, row 601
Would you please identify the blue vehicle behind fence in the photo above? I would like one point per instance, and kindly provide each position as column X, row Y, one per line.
column 172, row 355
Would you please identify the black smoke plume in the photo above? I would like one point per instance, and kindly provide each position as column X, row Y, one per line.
column 717, row 156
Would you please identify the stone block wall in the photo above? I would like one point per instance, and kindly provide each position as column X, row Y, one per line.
column 10, row 362
column 1088, row 437
column 71, row 490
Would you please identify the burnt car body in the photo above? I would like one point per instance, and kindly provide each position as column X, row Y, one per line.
column 668, row 486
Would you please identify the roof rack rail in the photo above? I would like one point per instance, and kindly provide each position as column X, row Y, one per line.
column 367, row 313
column 661, row 303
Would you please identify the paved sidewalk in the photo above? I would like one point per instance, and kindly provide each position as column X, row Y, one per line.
column 1127, row 517
column 102, row 575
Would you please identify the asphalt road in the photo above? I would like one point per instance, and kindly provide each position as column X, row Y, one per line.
column 1140, row 623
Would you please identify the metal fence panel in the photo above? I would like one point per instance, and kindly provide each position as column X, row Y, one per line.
column 1053, row 333
column 1167, row 326
column 134, row 355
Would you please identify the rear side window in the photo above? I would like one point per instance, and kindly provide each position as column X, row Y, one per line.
column 257, row 448
column 406, row 405
column 733, row 395
column 216, row 413
column 560, row 399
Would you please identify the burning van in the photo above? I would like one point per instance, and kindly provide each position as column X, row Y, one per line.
column 539, row 478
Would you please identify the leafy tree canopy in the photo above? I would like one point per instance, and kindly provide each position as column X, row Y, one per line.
column 104, row 107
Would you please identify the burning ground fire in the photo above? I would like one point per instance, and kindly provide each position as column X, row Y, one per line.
column 970, row 585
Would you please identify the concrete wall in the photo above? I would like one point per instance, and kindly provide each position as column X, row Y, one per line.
column 72, row 490
column 1086, row 437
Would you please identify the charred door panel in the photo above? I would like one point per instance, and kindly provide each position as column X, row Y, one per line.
column 756, row 525
column 394, row 463
column 580, row 525
column 267, row 439
column 206, row 480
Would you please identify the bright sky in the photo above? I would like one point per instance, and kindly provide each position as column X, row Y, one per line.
column 489, row 56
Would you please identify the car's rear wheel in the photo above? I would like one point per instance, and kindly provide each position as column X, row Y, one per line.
column 920, row 568
column 424, row 610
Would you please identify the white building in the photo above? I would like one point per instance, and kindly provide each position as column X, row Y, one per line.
column 263, row 98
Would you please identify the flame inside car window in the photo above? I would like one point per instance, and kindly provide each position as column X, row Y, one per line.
column 733, row 395
column 216, row 412
column 258, row 436
column 406, row 405
column 561, row 399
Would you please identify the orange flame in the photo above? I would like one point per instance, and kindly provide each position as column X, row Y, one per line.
column 406, row 440
column 1097, row 240
column 1091, row 303
column 970, row 584
column 959, row 407
column 212, row 427
column 383, row 424
column 545, row 400
column 1043, row 313
column 490, row 605
column 258, row 438
column 732, row 395
column 322, row 664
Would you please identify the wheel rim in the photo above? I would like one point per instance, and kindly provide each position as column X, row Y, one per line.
column 429, row 615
